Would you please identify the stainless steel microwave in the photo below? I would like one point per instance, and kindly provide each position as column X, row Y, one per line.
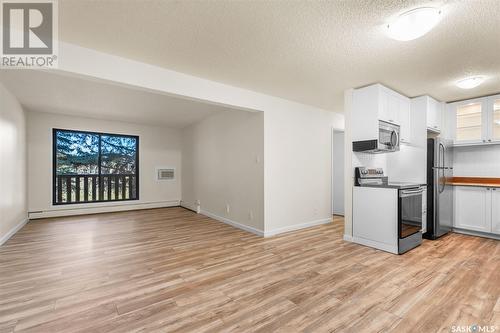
column 387, row 141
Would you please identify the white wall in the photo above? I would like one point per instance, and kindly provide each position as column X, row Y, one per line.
column 13, row 197
column 298, row 168
column 338, row 172
column 223, row 164
column 158, row 147
column 297, row 136
column 476, row 161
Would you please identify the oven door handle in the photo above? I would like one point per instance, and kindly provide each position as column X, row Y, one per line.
column 410, row 193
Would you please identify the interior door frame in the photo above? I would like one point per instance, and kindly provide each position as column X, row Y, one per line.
column 333, row 132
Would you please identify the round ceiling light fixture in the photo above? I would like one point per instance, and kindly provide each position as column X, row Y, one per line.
column 470, row 82
column 414, row 23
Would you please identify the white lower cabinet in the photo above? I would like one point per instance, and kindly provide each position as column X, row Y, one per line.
column 477, row 209
column 424, row 211
column 471, row 206
column 376, row 224
column 495, row 211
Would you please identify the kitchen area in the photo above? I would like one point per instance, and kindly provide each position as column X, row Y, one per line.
column 422, row 168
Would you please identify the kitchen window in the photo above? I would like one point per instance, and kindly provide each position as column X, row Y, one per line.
column 94, row 167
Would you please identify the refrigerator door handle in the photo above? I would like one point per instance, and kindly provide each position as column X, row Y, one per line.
column 441, row 178
column 441, row 185
column 443, row 154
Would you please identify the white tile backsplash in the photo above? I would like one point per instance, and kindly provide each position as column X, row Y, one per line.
column 406, row 165
column 476, row 161
column 369, row 160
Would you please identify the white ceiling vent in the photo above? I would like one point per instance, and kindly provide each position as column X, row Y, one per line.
column 165, row 174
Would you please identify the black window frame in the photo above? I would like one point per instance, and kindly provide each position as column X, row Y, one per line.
column 54, row 166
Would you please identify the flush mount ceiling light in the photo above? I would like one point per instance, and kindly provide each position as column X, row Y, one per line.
column 470, row 82
column 414, row 23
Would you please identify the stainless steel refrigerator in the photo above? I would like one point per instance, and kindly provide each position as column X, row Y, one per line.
column 439, row 193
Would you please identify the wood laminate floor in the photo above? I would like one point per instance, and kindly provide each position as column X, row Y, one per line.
column 171, row 270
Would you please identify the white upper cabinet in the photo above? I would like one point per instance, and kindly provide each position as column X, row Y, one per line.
column 432, row 109
column 470, row 120
column 405, row 119
column 434, row 114
column 390, row 107
column 377, row 102
column 476, row 121
column 494, row 118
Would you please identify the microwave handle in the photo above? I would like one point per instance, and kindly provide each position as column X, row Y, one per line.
column 394, row 133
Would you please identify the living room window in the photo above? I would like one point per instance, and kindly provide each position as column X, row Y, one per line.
column 94, row 167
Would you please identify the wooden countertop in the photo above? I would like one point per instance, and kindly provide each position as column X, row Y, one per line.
column 474, row 181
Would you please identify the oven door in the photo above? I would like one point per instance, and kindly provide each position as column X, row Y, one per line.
column 410, row 211
column 388, row 136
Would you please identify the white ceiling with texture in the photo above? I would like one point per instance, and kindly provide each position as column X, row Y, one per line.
column 44, row 91
column 307, row 51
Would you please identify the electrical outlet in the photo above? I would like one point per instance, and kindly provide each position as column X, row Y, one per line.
column 250, row 215
column 227, row 208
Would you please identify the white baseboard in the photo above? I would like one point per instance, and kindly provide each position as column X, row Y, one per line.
column 277, row 231
column 476, row 233
column 348, row 238
column 12, row 231
column 117, row 207
column 189, row 206
column 232, row 223
column 377, row 245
